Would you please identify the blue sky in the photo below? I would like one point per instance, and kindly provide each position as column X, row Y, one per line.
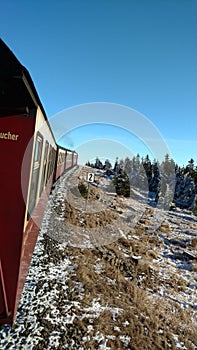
column 140, row 54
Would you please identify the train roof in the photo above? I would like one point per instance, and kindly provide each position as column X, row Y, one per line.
column 17, row 91
column 66, row 149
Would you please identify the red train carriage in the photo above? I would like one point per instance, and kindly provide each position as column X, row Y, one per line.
column 60, row 162
column 65, row 159
column 27, row 157
column 26, row 170
column 69, row 159
column 75, row 158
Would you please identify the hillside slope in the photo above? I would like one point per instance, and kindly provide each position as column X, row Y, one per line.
column 108, row 273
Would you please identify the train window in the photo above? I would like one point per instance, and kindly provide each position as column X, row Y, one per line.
column 53, row 159
column 61, row 157
column 35, row 173
column 44, row 169
column 49, row 164
column 38, row 149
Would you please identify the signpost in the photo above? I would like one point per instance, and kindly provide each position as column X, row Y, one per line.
column 90, row 178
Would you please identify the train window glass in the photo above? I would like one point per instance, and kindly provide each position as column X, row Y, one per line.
column 38, row 149
column 35, row 173
column 60, row 158
column 53, row 159
column 43, row 179
column 50, row 163
column 47, row 162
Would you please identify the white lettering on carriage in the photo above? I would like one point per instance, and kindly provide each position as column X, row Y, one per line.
column 9, row 136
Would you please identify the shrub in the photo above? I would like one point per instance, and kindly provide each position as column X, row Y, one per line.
column 83, row 190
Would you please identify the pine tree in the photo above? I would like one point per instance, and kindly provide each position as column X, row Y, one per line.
column 155, row 182
column 107, row 165
column 122, row 183
column 116, row 166
column 148, row 167
column 190, row 168
column 127, row 165
column 98, row 164
column 185, row 189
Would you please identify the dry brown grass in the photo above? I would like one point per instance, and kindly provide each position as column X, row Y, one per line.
column 88, row 220
column 150, row 321
column 194, row 242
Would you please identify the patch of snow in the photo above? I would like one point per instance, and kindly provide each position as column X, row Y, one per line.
column 125, row 339
column 122, row 234
column 179, row 345
column 98, row 267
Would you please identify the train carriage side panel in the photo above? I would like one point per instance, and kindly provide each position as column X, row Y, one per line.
column 19, row 104
column 68, row 159
column 65, row 159
column 43, row 162
column 75, row 158
column 13, row 143
column 60, row 161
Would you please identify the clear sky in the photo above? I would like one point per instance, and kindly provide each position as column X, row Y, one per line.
column 136, row 53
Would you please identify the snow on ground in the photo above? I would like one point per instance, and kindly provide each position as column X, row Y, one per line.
column 61, row 309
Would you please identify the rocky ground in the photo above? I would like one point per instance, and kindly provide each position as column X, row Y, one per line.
column 108, row 273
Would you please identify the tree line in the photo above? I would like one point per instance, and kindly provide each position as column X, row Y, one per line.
column 162, row 180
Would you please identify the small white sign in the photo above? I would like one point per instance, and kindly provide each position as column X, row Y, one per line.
column 90, row 177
